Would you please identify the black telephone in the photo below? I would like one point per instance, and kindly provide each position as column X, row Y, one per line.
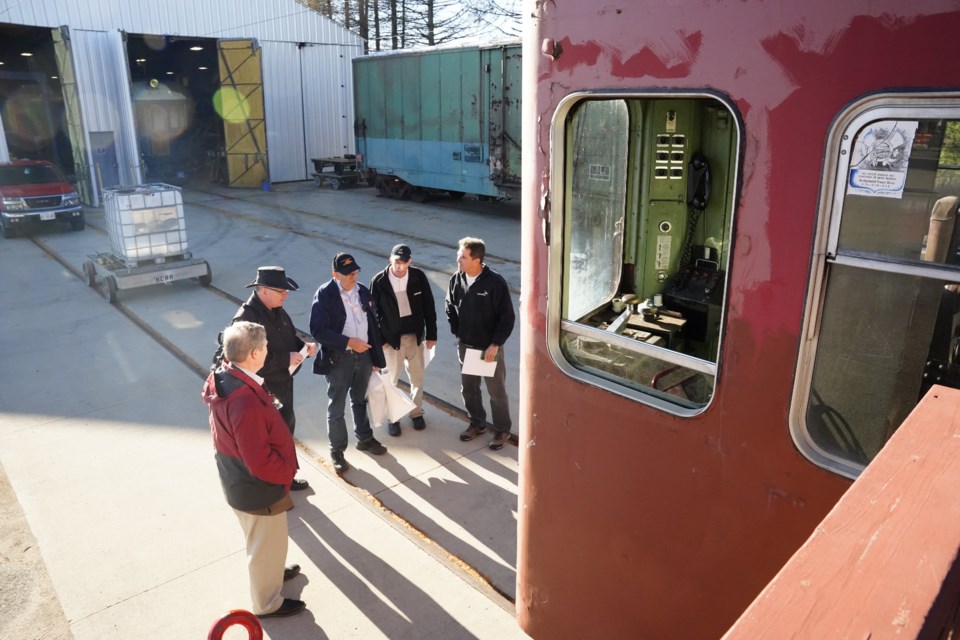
column 698, row 182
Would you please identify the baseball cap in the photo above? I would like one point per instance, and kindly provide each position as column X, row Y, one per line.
column 401, row 252
column 344, row 264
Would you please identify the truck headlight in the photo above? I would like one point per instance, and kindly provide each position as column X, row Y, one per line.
column 71, row 199
column 13, row 204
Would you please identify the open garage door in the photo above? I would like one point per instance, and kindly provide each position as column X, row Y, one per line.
column 74, row 115
column 240, row 103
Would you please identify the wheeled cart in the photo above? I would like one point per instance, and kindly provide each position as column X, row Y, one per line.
column 148, row 239
column 124, row 274
column 336, row 172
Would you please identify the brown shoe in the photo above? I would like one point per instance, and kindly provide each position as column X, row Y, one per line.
column 472, row 432
column 499, row 439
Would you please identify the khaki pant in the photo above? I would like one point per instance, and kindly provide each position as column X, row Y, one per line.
column 266, row 556
column 410, row 357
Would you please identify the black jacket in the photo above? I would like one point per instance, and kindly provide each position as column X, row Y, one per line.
column 282, row 337
column 483, row 314
column 422, row 308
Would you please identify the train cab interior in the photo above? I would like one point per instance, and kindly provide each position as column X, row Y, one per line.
column 647, row 197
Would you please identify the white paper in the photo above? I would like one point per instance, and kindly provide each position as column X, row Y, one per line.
column 475, row 365
column 305, row 352
column 428, row 354
column 376, row 400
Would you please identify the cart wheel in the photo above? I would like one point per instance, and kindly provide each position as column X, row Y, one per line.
column 207, row 280
column 110, row 290
column 317, row 182
column 90, row 273
column 335, row 184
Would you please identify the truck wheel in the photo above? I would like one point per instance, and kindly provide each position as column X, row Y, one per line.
column 78, row 224
column 90, row 273
column 7, row 231
column 110, row 289
column 206, row 280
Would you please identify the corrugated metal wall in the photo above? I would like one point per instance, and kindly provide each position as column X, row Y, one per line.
column 308, row 88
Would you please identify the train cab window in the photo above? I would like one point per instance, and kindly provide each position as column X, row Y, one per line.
column 641, row 251
column 883, row 320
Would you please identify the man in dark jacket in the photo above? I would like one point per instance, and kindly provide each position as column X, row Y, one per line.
column 480, row 311
column 284, row 346
column 257, row 460
column 407, row 317
column 344, row 323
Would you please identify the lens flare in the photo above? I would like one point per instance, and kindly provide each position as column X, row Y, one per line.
column 231, row 105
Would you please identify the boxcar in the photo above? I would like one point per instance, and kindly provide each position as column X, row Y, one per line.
column 740, row 274
column 440, row 120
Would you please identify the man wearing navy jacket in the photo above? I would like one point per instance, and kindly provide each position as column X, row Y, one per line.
column 343, row 321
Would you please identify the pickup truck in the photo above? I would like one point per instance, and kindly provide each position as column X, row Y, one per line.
column 35, row 191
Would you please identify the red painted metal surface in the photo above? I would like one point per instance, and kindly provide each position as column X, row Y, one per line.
column 634, row 523
column 237, row 617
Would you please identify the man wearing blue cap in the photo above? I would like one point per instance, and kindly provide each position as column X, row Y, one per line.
column 343, row 320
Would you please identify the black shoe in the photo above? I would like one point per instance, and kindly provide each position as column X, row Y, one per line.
column 290, row 572
column 339, row 462
column 472, row 432
column 372, row 446
column 288, row 608
column 499, row 439
column 393, row 428
column 298, row 485
column 419, row 424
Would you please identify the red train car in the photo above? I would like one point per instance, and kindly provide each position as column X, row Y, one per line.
column 740, row 274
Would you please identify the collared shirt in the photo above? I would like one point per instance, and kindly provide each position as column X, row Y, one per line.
column 356, row 323
column 257, row 378
column 400, row 290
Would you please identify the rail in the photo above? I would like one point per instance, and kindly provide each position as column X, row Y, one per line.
column 884, row 561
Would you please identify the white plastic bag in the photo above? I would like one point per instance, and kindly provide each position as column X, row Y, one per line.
column 399, row 403
column 377, row 399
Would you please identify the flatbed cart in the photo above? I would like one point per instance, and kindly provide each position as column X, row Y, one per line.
column 124, row 274
column 336, row 172
column 148, row 241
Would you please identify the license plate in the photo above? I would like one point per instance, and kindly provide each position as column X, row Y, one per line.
column 163, row 278
column 48, row 216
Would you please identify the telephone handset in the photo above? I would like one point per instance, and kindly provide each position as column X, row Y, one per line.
column 698, row 182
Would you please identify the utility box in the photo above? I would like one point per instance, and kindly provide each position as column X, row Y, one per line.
column 145, row 222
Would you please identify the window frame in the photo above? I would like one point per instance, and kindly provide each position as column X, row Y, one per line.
column 835, row 172
column 556, row 324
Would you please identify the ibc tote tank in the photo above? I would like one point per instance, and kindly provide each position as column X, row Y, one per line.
column 440, row 119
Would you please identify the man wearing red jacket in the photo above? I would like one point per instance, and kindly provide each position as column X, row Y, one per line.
column 257, row 460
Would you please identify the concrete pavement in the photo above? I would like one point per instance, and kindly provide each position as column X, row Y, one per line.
column 105, row 442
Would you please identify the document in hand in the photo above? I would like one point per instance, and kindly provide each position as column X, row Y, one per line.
column 304, row 352
column 475, row 365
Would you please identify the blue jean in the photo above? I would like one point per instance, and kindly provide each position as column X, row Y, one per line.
column 350, row 374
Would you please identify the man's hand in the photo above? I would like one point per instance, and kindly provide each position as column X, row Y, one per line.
column 295, row 358
column 358, row 345
column 491, row 353
column 311, row 349
column 431, row 344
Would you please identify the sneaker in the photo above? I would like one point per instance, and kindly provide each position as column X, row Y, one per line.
column 499, row 439
column 393, row 428
column 287, row 608
column 339, row 462
column 298, row 485
column 419, row 424
column 372, row 446
column 472, row 432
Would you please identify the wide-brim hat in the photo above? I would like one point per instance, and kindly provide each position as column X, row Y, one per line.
column 275, row 278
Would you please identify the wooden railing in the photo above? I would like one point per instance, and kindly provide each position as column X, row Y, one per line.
column 884, row 562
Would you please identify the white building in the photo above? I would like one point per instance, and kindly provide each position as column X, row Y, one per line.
column 252, row 89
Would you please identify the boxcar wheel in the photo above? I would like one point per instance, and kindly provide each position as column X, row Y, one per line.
column 455, row 195
column 90, row 273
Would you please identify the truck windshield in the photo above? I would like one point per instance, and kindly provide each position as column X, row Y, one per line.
column 29, row 174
